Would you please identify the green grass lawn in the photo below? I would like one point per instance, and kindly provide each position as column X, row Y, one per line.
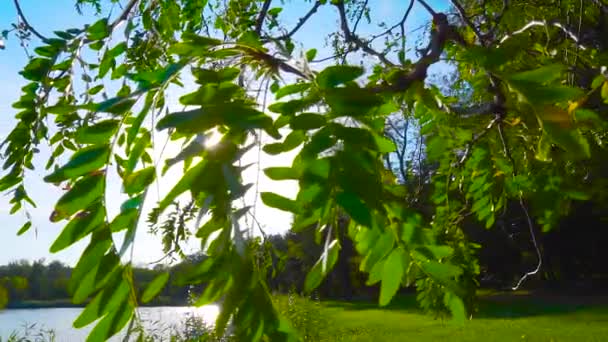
column 500, row 318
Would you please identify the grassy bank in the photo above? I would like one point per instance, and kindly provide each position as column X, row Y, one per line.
column 500, row 318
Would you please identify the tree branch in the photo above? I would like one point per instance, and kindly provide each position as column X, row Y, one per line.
column 545, row 23
column 468, row 21
column 428, row 8
column 124, row 15
column 439, row 36
column 360, row 16
column 467, row 151
column 27, row 24
column 260, row 21
column 301, row 22
column 350, row 37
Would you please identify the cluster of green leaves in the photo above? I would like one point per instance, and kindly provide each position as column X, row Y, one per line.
column 530, row 149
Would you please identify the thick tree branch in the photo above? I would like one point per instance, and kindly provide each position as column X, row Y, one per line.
column 439, row 36
column 260, row 21
column 27, row 24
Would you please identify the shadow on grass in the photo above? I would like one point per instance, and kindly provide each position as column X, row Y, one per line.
column 499, row 305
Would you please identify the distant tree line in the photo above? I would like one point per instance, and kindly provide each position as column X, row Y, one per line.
column 40, row 283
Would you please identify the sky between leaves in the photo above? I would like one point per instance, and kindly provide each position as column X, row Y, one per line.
column 48, row 16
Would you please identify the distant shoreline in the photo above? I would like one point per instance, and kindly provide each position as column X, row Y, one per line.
column 67, row 303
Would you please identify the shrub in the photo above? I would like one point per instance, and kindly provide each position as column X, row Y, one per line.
column 305, row 315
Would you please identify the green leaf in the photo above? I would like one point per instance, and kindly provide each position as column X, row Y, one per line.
column 307, row 121
column 355, row 208
column 543, row 150
column 279, row 202
column 291, row 89
column 322, row 267
column 335, row 75
column 155, row 287
column 83, row 162
column 138, row 151
column 183, row 185
column 99, row 30
column 152, row 79
column 291, row 107
column 375, row 275
column 537, row 94
column 112, row 323
column 281, row 173
column 311, row 54
column 117, row 105
column 588, row 116
column 126, row 219
column 569, row 138
column 578, row 195
column 79, row 227
column 442, row 272
column 392, row 273
column 100, row 243
column 384, row 145
column 100, row 133
column 109, row 299
column 138, row 181
column 456, row 306
column 97, row 277
column 292, row 141
column 544, row 74
column 205, row 76
column 351, row 101
column 24, row 228
column 139, row 119
column 36, row 69
column 82, row 195
column 275, row 11
column 381, row 247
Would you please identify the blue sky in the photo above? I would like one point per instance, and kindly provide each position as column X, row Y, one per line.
column 48, row 16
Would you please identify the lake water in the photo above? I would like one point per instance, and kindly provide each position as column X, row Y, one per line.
column 157, row 319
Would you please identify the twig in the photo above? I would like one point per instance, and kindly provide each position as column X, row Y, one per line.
column 301, row 22
column 402, row 24
column 545, row 23
column 468, row 21
column 467, row 151
column 27, row 24
column 534, row 242
column 350, row 37
column 360, row 16
column 508, row 154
